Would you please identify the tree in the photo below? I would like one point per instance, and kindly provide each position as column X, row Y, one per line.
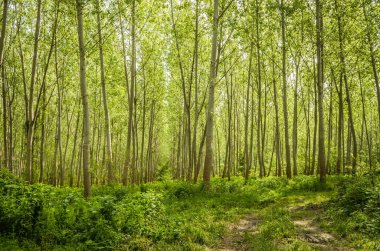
column 131, row 99
column 2, row 38
column 85, row 106
column 321, row 129
column 107, row 129
column 209, row 158
column 30, row 123
column 284, row 92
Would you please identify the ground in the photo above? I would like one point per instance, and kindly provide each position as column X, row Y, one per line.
column 301, row 214
column 259, row 214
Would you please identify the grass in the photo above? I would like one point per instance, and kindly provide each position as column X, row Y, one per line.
column 169, row 215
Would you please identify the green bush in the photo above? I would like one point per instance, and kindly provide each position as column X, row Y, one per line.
column 357, row 203
column 53, row 217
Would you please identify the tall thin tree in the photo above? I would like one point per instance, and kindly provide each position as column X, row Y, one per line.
column 209, row 158
column 84, row 95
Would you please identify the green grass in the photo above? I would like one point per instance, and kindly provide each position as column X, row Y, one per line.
column 170, row 215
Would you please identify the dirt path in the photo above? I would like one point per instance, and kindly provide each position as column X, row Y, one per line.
column 234, row 240
column 309, row 230
column 307, row 226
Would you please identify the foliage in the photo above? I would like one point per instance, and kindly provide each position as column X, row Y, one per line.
column 357, row 203
column 169, row 215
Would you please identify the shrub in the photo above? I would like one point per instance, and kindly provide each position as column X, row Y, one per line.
column 357, row 203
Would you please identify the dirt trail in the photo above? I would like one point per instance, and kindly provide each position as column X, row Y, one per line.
column 305, row 221
column 309, row 230
column 234, row 240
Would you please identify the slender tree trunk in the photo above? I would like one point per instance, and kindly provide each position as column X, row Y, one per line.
column 68, row 134
column 2, row 39
column 11, row 118
column 59, row 119
column 143, row 166
column 131, row 92
column 246, row 123
column 30, row 121
column 263, row 130
column 343, row 72
column 74, row 151
column 315, row 122
column 295, row 122
column 284, row 95
column 330, row 128
column 340, row 122
column 277, row 133
column 308, row 136
column 208, row 165
column 196, row 113
column 54, row 174
column 187, row 141
column 373, row 60
column 199, row 158
column 107, row 131
column 321, row 132
column 259, row 114
column 42, row 146
column 367, row 134
column 86, row 112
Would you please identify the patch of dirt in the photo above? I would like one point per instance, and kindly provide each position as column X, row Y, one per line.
column 309, row 207
column 234, row 240
column 310, row 231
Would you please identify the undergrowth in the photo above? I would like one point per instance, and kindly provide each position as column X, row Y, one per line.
column 166, row 215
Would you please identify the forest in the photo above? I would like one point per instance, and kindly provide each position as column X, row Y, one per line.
column 190, row 125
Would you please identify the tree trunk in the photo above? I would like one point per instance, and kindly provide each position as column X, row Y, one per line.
column 343, row 72
column 131, row 93
column 74, row 151
column 86, row 112
column 196, row 113
column 315, row 121
column 259, row 115
column 367, row 134
column 295, row 122
column 2, row 39
column 373, row 61
column 59, row 120
column 107, row 131
column 187, row 133
column 30, row 120
column 284, row 95
column 246, row 123
column 321, row 131
column 277, row 133
column 208, row 165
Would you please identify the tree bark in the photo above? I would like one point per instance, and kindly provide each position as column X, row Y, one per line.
column 259, row 115
column 196, row 113
column 30, row 120
column 107, row 131
column 343, row 72
column 277, row 132
column 131, row 93
column 295, row 122
column 86, row 112
column 284, row 93
column 373, row 61
column 246, row 123
column 2, row 39
column 208, row 165
column 321, row 129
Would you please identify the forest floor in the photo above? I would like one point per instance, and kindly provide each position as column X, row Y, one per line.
column 262, row 214
column 302, row 214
